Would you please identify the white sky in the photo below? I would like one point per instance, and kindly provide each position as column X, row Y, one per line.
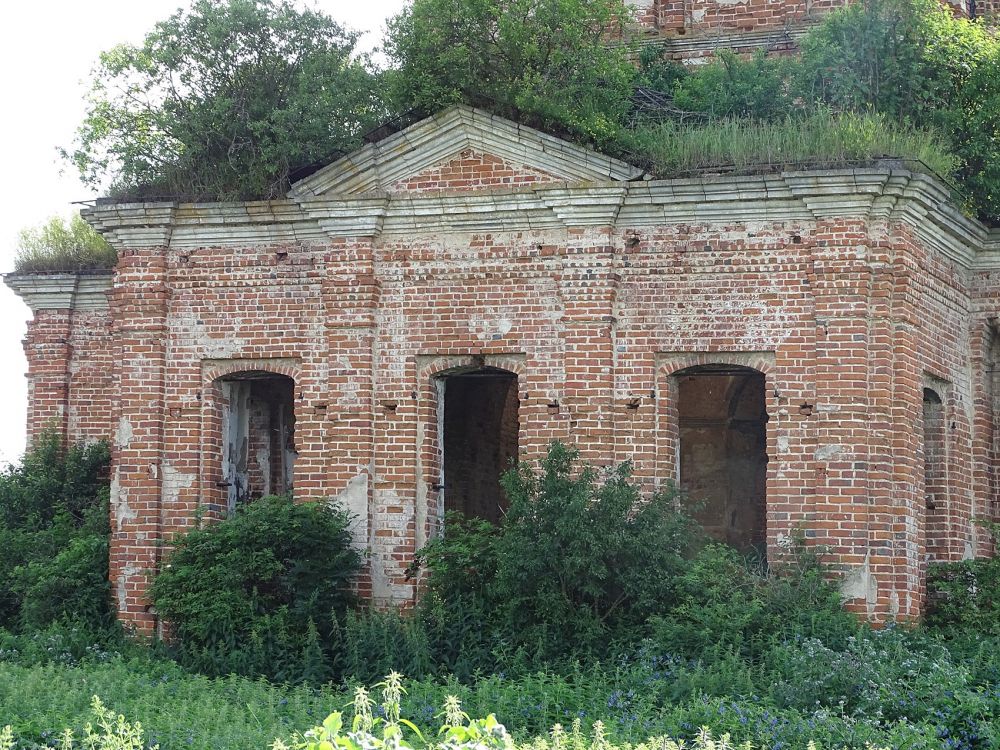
column 47, row 48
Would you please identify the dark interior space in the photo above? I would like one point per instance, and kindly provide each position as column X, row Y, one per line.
column 723, row 452
column 258, row 428
column 480, row 440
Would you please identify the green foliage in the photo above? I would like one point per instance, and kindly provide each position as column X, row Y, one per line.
column 870, row 55
column 916, row 62
column 54, row 535
column 543, row 62
column 223, row 101
column 580, row 559
column 723, row 605
column 376, row 642
column 964, row 597
column 258, row 592
column 582, row 555
column 731, row 86
column 741, row 145
column 58, row 246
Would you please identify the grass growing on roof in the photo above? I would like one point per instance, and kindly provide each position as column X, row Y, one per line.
column 821, row 139
column 61, row 246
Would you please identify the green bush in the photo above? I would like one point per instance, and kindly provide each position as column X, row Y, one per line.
column 731, row 86
column 54, row 528
column 582, row 557
column 260, row 592
column 965, row 596
column 58, row 246
column 580, row 560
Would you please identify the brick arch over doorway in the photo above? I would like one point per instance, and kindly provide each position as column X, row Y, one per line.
column 248, row 419
column 498, row 404
column 722, row 451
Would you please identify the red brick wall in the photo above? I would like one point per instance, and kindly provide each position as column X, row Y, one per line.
column 71, row 374
column 847, row 320
column 471, row 170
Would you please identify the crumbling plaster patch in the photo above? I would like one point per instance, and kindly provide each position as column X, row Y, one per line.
column 860, row 584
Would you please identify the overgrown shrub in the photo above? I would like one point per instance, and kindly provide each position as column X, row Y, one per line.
column 723, row 604
column 965, row 596
column 582, row 555
column 58, row 246
column 54, row 530
column 260, row 592
column 580, row 560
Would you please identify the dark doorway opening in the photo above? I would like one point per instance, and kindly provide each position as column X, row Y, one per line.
column 479, row 441
column 723, row 452
column 258, row 429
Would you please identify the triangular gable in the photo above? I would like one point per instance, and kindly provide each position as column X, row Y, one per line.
column 436, row 141
column 471, row 170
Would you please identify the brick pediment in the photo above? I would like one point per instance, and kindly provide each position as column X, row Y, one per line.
column 471, row 170
column 461, row 148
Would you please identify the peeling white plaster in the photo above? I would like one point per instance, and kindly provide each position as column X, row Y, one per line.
column 860, row 583
column 174, row 481
column 128, row 572
column 123, row 435
column 119, row 504
column 826, row 452
column 354, row 499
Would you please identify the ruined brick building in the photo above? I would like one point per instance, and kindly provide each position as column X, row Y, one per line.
column 806, row 353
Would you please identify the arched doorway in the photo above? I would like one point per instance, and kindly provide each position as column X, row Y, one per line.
column 258, row 428
column 722, row 458
column 478, row 420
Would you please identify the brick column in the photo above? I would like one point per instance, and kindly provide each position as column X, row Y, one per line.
column 350, row 295
column 587, row 286
column 47, row 349
column 139, row 305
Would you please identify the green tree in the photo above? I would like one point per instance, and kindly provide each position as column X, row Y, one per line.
column 549, row 63
column 224, row 101
column 914, row 61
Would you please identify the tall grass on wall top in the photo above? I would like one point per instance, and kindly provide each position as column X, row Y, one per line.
column 820, row 138
column 61, row 246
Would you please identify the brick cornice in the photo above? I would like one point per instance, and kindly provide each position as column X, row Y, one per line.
column 878, row 194
column 988, row 259
column 64, row 291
